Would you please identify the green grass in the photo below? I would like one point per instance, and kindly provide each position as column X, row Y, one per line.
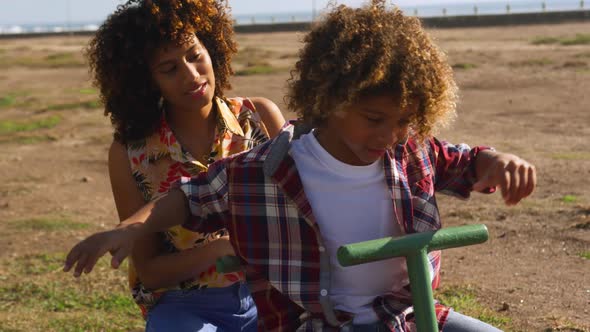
column 257, row 70
column 36, row 296
column 579, row 39
column 7, row 101
column 89, row 104
column 47, row 224
column 38, row 264
column 54, row 60
column 9, row 126
column 585, row 254
column 532, row 62
column 464, row 300
column 252, row 54
column 28, row 140
column 543, row 40
column 569, row 199
column 88, row 91
column 464, row 66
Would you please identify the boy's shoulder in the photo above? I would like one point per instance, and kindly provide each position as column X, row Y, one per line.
column 270, row 153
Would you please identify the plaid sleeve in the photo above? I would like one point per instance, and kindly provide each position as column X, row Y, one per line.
column 207, row 198
column 454, row 167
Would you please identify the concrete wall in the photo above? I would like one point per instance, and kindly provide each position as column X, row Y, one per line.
column 434, row 22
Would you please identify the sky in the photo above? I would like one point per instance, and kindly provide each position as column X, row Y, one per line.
column 59, row 11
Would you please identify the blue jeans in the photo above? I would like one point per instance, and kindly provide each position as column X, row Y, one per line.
column 456, row 322
column 210, row 309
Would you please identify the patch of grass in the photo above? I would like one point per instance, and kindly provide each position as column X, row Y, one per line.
column 257, row 70
column 28, row 140
column 88, row 91
column 7, row 101
column 39, row 264
column 464, row 300
column 36, row 296
column 579, row 39
column 585, row 254
column 89, row 104
column 252, row 54
column 543, row 40
column 571, row 156
column 569, row 199
column 8, row 126
column 55, row 60
column 582, row 55
column 61, row 297
column 93, row 322
column 464, row 66
column 47, row 224
column 532, row 62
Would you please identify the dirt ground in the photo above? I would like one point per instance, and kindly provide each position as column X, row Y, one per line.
column 531, row 99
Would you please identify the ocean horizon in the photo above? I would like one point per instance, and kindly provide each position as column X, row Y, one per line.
column 439, row 10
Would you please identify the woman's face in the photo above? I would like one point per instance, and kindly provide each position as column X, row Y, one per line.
column 184, row 74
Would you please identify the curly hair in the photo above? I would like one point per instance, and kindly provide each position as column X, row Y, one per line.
column 372, row 50
column 120, row 52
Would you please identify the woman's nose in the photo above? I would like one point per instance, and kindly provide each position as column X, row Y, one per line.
column 191, row 72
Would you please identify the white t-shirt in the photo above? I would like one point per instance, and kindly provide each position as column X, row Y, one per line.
column 350, row 204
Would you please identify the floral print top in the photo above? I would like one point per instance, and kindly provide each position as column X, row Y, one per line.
column 158, row 161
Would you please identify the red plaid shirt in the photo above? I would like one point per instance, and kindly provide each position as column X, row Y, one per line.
column 258, row 196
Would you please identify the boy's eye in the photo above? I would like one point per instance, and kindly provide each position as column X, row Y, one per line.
column 404, row 122
column 373, row 119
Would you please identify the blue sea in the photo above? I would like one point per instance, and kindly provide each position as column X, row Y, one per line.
column 476, row 7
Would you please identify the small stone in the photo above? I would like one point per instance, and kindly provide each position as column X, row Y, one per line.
column 86, row 179
column 505, row 307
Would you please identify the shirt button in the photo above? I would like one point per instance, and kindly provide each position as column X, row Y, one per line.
column 322, row 249
column 324, row 292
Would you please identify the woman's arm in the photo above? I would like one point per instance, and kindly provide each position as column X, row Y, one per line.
column 156, row 269
column 270, row 114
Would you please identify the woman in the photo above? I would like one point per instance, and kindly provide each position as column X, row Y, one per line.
column 162, row 68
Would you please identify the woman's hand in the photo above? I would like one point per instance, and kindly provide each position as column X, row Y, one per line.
column 515, row 177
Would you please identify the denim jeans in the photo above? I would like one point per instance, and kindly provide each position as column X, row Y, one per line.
column 210, row 309
column 456, row 322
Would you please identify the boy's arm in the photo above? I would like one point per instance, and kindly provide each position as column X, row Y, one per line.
column 203, row 196
column 158, row 215
column 454, row 167
column 460, row 169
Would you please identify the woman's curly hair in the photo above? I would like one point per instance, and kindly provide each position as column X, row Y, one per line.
column 120, row 52
column 353, row 53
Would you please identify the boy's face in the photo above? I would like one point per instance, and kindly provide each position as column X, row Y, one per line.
column 360, row 133
column 184, row 74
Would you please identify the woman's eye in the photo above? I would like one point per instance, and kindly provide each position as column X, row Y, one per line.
column 168, row 70
column 194, row 57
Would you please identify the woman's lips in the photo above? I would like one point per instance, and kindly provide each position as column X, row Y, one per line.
column 199, row 91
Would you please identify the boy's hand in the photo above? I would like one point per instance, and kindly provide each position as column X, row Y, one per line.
column 516, row 177
column 85, row 254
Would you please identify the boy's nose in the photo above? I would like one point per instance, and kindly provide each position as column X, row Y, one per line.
column 390, row 137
